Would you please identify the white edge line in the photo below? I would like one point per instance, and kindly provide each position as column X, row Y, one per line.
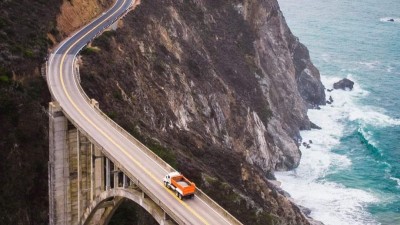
column 52, row 55
column 124, row 137
column 129, row 141
column 119, row 132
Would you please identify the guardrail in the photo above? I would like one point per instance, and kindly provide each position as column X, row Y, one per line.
column 166, row 166
column 200, row 194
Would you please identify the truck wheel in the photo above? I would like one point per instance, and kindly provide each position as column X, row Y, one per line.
column 191, row 196
column 165, row 184
column 180, row 196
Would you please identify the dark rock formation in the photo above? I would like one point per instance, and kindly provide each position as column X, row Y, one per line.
column 344, row 84
column 390, row 20
column 315, row 126
column 308, row 77
column 224, row 84
column 330, row 100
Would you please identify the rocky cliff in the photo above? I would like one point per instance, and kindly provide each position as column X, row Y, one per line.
column 218, row 88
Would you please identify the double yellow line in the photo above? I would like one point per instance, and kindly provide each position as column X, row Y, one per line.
column 137, row 163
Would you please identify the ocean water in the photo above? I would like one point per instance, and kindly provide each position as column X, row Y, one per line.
column 351, row 173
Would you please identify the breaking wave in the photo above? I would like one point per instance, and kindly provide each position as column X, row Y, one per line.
column 330, row 202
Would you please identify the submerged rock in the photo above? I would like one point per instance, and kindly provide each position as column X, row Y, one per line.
column 315, row 126
column 344, row 84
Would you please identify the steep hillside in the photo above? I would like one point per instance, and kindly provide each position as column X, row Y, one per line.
column 27, row 29
column 220, row 89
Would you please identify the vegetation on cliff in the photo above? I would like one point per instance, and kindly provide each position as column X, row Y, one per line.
column 27, row 30
column 188, row 79
column 213, row 83
column 23, row 99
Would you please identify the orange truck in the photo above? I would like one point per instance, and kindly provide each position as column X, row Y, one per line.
column 180, row 185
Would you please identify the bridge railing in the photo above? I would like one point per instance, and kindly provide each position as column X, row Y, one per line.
column 200, row 194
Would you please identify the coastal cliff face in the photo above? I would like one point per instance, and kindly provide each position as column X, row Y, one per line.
column 218, row 88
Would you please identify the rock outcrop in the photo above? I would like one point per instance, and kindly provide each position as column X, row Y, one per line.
column 344, row 84
column 224, row 85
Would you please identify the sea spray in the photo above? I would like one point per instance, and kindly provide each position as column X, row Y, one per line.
column 351, row 37
column 330, row 202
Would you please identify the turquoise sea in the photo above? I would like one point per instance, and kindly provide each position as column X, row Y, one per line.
column 351, row 173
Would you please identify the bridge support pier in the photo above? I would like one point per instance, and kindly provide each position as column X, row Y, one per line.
column 76, row 170
column 58, row 167
column 86, row 187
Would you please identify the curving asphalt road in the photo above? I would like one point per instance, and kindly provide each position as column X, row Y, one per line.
column 65, row 90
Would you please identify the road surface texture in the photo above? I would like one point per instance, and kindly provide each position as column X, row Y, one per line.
column 65, row 89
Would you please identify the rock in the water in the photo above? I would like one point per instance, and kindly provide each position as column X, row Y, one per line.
column 331, row 99
column 330, row 90
column 315, row 126
column 310, row 141
column 344, row 84
column 305, row 210
column 391, row 20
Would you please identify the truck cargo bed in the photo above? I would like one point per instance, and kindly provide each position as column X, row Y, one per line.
column 183, row 183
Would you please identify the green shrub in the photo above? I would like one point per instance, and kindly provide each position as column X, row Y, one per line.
column 4, row 79
column 89, row 51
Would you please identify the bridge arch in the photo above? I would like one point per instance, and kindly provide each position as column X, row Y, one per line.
column 111, row 199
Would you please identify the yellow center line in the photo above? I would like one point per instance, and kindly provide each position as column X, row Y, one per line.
column 108, row 137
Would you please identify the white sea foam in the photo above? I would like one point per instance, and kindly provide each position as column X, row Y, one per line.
column 397, row 180
column 330, row 202
column 369, row 137
column 387, row 19
column 346, row 103
column 370, row 65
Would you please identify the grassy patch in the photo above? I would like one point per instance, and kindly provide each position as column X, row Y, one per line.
column 164, row 153
column 103, row 41
column 28, row 53
column 112, row 115
column 3, row 23
column 117, row 95
column 265, row 113
column 4, row 79
column 90, row 51
column 224, row 194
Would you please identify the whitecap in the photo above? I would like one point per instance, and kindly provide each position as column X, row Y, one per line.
column 397, row 180
column 347, row 102
column 371, row 64
column 330, row 202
